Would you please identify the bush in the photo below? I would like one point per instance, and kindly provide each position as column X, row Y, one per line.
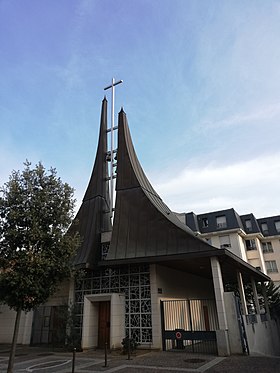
column 129, row 342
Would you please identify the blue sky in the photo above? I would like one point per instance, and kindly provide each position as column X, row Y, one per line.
column 201, row 92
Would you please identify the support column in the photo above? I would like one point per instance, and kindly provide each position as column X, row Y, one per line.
column 255, row 294
column 222, row 333
column 155, row 303
column 242, row 293
column 265, row 301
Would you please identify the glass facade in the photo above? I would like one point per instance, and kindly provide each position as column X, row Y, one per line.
column 134, row 282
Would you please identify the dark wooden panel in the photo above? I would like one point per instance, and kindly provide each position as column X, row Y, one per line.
column 104, row 324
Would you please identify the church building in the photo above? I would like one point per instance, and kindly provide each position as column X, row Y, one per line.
column 147, row 276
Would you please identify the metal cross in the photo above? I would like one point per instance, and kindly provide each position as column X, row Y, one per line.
column 112, row 86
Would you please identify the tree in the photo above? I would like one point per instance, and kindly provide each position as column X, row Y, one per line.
column 36, row 209
column 272, row 294
column 273, row 297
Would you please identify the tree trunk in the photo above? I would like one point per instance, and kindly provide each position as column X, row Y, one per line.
column 14, row 343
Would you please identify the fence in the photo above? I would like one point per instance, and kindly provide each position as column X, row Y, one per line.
column 189, row 325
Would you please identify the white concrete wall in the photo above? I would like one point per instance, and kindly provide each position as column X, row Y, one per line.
column 7, row 317
column 174, row 285
column 222, row 332
column 255, row 257
column 155, row 304
column 237, row 246
column 235, row 343
column 90, row 324
column 117, row 320
column 90, row 319
column 236, row 241
column 259, row 247
column 177, row 284
column 243, row 250
column 7, row 323
column 263, row 337
column 275, row 242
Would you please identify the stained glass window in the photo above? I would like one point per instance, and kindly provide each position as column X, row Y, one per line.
column 134, row 282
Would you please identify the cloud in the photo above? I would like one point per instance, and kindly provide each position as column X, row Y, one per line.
column 249, row 186
column 258, row 115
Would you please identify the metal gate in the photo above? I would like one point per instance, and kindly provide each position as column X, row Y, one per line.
column 242, row 330
column 49, row 325
column 189, row 325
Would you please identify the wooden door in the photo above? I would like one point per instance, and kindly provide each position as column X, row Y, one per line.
column 104, row 324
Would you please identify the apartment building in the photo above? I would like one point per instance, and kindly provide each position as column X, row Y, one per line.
column 256, row 241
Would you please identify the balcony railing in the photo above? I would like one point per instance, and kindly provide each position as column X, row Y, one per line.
column 264, row 317
column 251, row 318
column 221, row 225
column 225, row 246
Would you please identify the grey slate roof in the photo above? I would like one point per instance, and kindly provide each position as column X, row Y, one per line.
column 145, row 229
column 270, row 221
column 143, row 225
column 255, row 226
column 232, row 218
column 92, row 219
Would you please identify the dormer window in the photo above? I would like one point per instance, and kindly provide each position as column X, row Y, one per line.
column 264, row 228
column 248, row 224
column 221, row 222
column 104, row 250
column 204, row 222
column 277, row 226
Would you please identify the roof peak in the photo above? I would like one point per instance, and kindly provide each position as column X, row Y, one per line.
column 122, row 110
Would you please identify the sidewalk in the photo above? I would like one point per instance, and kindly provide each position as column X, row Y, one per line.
column 45, row 360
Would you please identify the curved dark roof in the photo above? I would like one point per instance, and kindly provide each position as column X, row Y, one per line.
column 145, row 229
column 143, row 225
column 93, row 217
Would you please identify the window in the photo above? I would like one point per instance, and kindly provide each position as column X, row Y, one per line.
column 267, row 247
column 224, row 242
column 104, row 250
column 204, row 222
column 134, row 281
column 248, row 224
column 277, row 226
column 271, row 266
column 264, row 228
column 222, row 222
column 250, row 245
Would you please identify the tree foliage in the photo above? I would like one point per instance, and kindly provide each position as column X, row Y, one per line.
column 272, row 293
column 273, row 297
column 36, row 208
